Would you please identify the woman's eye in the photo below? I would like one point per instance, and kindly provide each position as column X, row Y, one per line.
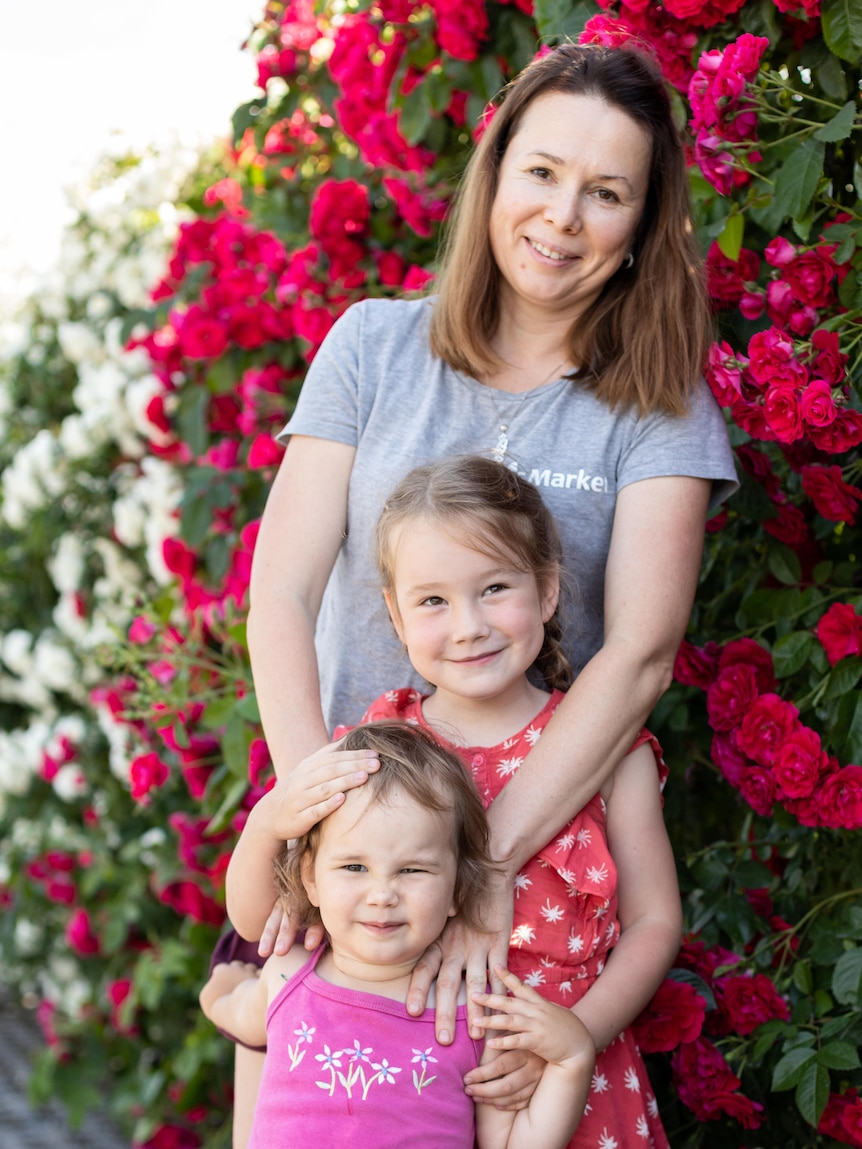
column 541, row 173
column 607, row 195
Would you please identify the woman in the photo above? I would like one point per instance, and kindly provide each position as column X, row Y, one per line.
column 567, row 337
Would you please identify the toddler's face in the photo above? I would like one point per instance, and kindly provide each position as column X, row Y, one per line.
column 384, row 879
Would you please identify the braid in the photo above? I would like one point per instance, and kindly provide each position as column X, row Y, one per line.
column 551, row 661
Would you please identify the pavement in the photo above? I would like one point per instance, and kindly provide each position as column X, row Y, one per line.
column 22, row 1127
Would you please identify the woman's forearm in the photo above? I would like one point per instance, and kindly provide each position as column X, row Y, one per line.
column 591, row 731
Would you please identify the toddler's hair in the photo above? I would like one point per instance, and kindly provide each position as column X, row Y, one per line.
column 494, row 511
column 413, row 763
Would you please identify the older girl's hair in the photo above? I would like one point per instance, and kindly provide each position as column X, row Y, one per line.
column 496, row 512
column 411, row 762
column 643, row 342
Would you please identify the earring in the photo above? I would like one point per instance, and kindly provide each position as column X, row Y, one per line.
column 629, row 260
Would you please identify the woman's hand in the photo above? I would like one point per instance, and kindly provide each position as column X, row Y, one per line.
column 460, row 949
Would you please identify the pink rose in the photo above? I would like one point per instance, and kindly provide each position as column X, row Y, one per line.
column 839, row 436
column 817, row 404
column 728, row 758
column 696, row 665
column 840, row 799
column 783, row 413
column 726, row 278
column 829, row 362
column 80, row 936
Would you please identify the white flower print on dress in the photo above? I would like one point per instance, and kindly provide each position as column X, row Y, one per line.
column 652, row 1105
column 597, row 874
column 575, row 942
column 565, row 842
column 508, row 766
column 509, row 743
column 522, row 882
column 294, row 1052
column 642, row 1127
column 607, row 1141
column 522, row 935
column 551, row 913
column 532, row 735
column 584, row 837
column 600, row 1083
column 565, row 987
column 423, row 1056
column 385, row 1072
column 534, row 977
column 632, row 1080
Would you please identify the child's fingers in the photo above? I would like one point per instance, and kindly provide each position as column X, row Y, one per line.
column 515, row 986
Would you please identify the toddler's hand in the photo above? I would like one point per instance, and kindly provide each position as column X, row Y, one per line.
column 224, row 979
column 549, row 1030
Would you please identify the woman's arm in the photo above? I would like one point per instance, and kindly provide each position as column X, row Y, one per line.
column 650, row 580
column 301, row 532
column 649, row 905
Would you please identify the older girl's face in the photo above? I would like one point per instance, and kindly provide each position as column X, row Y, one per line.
column 572, row 186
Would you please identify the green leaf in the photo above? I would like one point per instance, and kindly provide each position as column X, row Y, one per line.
column 847, row 977
column 248, row 708
column 839, row 1055
column 797, row 178
column 853, row 740
column 697, row 983
column 790, row 653
column 842, row 28
column 785, row 565
column 730, row 240
column 790, row 1068
column 752, row 875
column 561, row 19
column 843, row 677
column 812, row 1093
column 234, row 745
column 415, row 118
column 191, row 418
column 830, row 76
column 840, row 126
column 802, row 978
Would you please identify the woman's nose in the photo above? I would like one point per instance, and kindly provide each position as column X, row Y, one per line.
column 563, row 209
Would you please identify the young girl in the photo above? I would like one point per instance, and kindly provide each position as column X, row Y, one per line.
column 383, row 871
column 470, row 562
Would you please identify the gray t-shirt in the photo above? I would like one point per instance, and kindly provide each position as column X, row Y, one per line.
column 375, row 385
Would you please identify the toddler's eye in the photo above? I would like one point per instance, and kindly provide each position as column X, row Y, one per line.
column 495, row 588
column 354, row 868
column 432, row 600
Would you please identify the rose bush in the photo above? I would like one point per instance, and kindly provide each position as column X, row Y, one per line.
column 134, row 480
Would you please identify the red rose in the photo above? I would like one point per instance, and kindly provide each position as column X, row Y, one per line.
column 833, row 498
column 840, row 799
column 783, row 412
column 829, row 362
column 730, row 696
column 840, row 632
column 840, row 435
column 80, row 936
column 749, row 1001
column 147, row 772
column 758, row 787
column 674, row 1015
column 788, row 526
column 772, row 360
column 728, row 758
column 817, row 405
column 726, row 278
column 745, row 651
column 799, row 762
column 189, row 900
column 764, row 728
column 696, row 665
column 724, row 374
column 842, row 1117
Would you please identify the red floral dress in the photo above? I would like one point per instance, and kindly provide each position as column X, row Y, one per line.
column 565, row 924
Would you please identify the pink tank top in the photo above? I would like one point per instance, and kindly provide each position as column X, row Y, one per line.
column 358, row 1070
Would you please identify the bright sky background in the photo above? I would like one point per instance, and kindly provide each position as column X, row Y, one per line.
column 72, row 72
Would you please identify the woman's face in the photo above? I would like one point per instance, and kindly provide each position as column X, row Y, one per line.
column 572, row 186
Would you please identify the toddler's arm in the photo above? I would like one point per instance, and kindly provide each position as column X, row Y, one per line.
column 307, row 794
column 561, row 1039
column 235, row 999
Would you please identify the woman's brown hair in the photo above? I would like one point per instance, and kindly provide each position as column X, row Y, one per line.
column 411, row 762
column 493, row 510
column 644, row 341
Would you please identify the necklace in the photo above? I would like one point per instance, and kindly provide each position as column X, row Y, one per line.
column 498, row 451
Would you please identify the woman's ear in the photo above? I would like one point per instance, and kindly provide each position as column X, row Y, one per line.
column 550, row 595
column 392, row 607
column 306, row 871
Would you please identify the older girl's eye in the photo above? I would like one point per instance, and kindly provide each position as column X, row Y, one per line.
column 495, row 588
column 432, row 600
